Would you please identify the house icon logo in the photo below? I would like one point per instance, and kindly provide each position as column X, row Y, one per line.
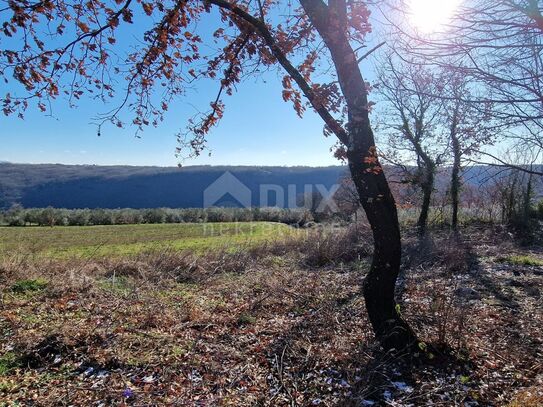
column 227, row 190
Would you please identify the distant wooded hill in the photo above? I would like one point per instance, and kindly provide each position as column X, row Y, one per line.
column 91, row 186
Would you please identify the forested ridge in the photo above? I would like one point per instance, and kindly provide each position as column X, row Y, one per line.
column 92, row 186
column 95, row 186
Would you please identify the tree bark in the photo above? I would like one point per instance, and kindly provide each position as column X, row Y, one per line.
column 379, row 285
column 455, row 181
column 374, row 193
column 427, row 190
column 527, row 205
column 370, row 181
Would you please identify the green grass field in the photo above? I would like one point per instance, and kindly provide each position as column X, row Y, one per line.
column 121, row 240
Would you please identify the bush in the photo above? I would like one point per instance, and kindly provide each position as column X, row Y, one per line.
column 127, row 216
column 342, row 245
column 539, row 210
column 32, row 216
column 24, row 286
column 46, row 217
column 157, row 215
column 172, row 216
column 219, row 215
column 15, row 216
column 79, row 217
column 194, row 215
column 100, row 217
column 18, row 216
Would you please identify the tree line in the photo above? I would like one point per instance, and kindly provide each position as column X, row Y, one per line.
column 19, row 216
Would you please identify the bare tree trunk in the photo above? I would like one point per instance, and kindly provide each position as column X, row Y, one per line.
column 427, row 189
column 455, row 180
column 374, row 193
column 379, row 286
column 370, row 181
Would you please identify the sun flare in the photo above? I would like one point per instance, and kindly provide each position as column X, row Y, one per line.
column 430, row 15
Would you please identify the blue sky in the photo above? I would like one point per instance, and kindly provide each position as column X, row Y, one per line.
column 258, row 128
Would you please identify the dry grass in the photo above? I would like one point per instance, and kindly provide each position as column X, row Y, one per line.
column 273, row 325
column 530, row 397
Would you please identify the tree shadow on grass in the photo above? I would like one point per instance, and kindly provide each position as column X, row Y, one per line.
column 331, row 357
column 482, row 279
column 497, row 284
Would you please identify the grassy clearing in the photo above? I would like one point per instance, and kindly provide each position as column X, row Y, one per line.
column 522, row 260
column 278, row 324
column 123, row 240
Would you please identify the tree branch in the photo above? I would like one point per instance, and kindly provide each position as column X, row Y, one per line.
column 266, row 35
column 504, row 164
column 367, row 54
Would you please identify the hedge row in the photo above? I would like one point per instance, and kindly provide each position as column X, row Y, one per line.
column 18, row 216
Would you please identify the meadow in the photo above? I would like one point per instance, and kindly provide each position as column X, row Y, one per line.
column 125, row 240
column 261, row 314
column 440, row 304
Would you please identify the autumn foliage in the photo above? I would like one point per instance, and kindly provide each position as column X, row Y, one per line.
column 76, row 49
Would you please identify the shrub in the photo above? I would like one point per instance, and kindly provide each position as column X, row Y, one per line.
column 100, row 217
column 194, row 215
column 539, row 210
column 79, row 217
column 342, row 245
column 24, row 286
column 128, row 216
column 172, row 216
column 219, row 215
column 8, row 362
column 16, row 221
column 157, row 215
column 18, row 216
column 15, row 216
